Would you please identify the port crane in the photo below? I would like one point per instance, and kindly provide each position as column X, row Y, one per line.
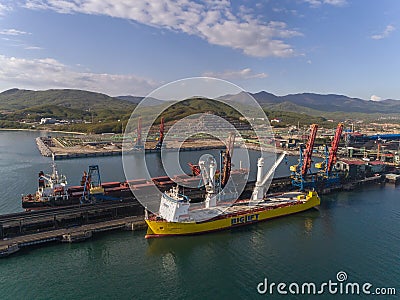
column 91, row 184
column 334, row 148
column 300, row 170
column 93, row 190
column 306, row 165
column 209, row 172
column 161, row 137
column 195, row 169
column 139, row 142
column 227, row 159
column 327, row 167
column 331, row 156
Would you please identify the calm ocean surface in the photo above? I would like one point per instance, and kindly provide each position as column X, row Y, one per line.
column 356, row 232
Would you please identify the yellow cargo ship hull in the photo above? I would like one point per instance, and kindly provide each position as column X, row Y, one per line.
column 161, row 228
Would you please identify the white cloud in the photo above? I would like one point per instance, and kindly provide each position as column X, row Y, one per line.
column 33, row 48
column 335, row 2
column 313, row 3
column 246, row 73
column 286, row 11
column 10, row 35
column 375, row 98
column 3, row 9
column 317, row 3
column 384, row 34
column 13, row 32
column 211, row 20
column 49, row 73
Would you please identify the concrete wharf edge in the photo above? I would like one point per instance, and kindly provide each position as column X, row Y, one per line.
column 127, row 223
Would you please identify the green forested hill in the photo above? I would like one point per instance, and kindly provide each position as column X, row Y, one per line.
column 106, row 113
column 31, row 106
column 16, row 99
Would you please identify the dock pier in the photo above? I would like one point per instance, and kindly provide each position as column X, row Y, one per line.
column 77, row 234
column 43, row 145
column 393, row 178
column 61, row 156
column 68, row 224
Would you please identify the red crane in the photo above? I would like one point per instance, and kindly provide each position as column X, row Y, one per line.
column 227, row 159
column 309, row 149
column 139, row 133
column 334, row 148
column 195, row 169
column 161, row 138
column 162, row 130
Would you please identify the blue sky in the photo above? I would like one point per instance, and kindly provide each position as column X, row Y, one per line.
column 122, row 47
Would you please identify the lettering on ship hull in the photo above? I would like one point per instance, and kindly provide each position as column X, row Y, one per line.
column 244, row 219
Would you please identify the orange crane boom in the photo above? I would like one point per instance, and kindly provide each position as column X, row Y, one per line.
column 162, row 130
column 195, row 169
column 309, row 149
column 161, row 137
column 227, row 159
column 334, row 148
column 139, row 132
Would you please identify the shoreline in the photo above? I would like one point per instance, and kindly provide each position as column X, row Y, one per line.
column 39, row 130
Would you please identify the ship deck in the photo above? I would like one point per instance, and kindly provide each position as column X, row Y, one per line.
column 200, row 213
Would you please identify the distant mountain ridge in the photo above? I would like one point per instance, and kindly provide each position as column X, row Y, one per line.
column 137, row 99
column 17, row 99
column 326, row 103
